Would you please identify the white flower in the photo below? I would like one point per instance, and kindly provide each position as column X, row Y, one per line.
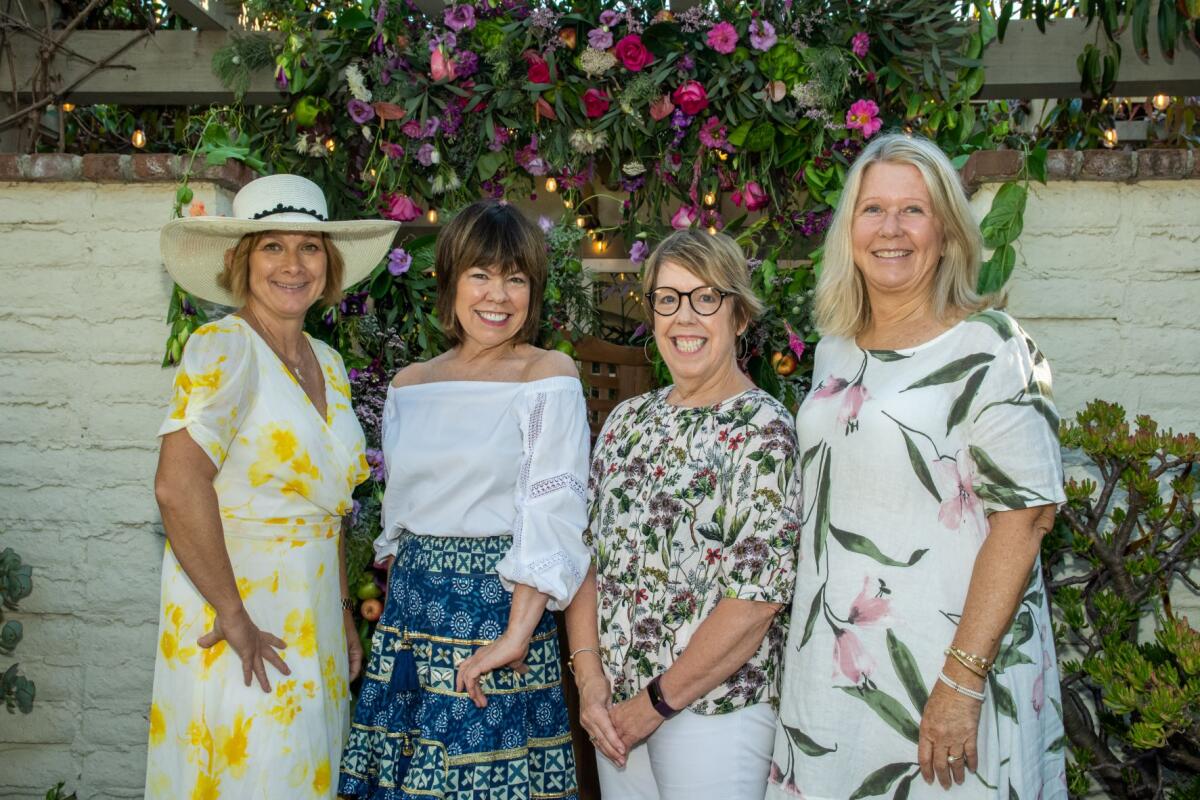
column 367, row 134
column 807, row 94
column 596, row 62
column 302, row 145
column 587, row 142
column 633, row 168
column 358, row 88
column 445, row 182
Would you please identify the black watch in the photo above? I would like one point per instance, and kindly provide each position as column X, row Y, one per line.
column 658, row 701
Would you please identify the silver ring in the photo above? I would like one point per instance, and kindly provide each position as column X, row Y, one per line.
column 952, row 759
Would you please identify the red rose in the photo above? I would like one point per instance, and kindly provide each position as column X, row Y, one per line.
column 595, row 103
column 691, row 97
column 539, row 70
column 632, row 53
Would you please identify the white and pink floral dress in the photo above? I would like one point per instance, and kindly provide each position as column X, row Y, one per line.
column 904, row 454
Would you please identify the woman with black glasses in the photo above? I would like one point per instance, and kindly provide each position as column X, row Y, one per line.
column 676, row 634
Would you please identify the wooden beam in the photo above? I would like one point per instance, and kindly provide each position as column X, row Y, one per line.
column 167, row 68
column 208, row 15
column 1029, row 63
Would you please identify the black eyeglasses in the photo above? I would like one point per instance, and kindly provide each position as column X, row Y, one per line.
column 705, row 300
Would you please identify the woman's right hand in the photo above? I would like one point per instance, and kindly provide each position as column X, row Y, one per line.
column 595, row 702
column 253, row 646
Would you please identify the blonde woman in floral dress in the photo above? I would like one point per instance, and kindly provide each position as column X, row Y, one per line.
column 260, row 453
column 920, row 662
column 676, row 634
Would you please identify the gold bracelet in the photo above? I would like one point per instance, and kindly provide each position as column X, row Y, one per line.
column 976, row 664
column 571, row 658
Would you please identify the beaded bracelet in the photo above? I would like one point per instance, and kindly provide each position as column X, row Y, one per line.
column 958, row 687
column 974, row 664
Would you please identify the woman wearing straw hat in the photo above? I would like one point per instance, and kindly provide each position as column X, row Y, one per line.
column 260, row 453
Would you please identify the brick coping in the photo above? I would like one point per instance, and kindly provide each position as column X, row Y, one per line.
column 984, row 166
column 116, row 168
column 1120, row 166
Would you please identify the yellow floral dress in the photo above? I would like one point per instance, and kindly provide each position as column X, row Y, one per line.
column 284, row 480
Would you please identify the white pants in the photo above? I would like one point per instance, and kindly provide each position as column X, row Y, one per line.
column 695, row 757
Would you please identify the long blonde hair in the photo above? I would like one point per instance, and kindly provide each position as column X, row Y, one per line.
column 841, row 304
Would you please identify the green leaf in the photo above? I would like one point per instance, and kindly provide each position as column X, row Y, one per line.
column 1167, row 29
column 808, row 456
column 888, row 709
column 821, row 529
column 1035, row 163
column 1002, row 697
column 888, row 355
column 956, row 370
column 881, row 780
column 760, row 138
column 1004, row 220
column 865, row 547
column 1141, row 28
column 903, row 787
column 987, row 22
column 962, row 405
column 488, row 164
column 908, row 671
column 998, row 321
column 737, row 136
column 10, row 636
column 988, row 468
column 812, row 617
column 997, row 269
column 920, row 468
column 805, row 744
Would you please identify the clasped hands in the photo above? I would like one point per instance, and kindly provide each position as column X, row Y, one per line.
column 615, row 729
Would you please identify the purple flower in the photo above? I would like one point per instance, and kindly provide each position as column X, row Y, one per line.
column 426, row 154
column 686, row 64
column 468, row 63
column 860, row 44
column 399, row 260
column 391, row 150
column 609, row 18
column 600, row 38
column 378, row 467
column 545, row 223
column 712, row 135
column 381, row 12
column 360, row 112
column 530, row 160
column 459, row 18
column 762, row 35
column 281, row 78
column 639, row 252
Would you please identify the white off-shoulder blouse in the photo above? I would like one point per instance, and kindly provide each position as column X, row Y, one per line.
column 485, row 458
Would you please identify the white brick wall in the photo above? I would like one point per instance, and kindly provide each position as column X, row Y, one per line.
column 81, row 395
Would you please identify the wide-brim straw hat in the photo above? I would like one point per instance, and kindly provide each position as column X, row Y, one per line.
column 193, row 248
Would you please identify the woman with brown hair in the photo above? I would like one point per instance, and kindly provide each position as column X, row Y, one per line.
column 486, row 454
column 260, row 453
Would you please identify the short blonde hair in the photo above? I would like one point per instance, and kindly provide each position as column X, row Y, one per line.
column 490, row 233
column 235, row 277
column 715, row 259
column 841, row 304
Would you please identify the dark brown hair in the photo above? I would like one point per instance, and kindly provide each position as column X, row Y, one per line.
column 490, row 234
column 235, row 277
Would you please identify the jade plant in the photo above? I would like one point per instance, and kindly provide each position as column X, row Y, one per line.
column 15, row 584
column 1126, row 543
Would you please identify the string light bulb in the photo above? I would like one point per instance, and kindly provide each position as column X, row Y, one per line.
column 580, row 222
column 721, row 154
column 330, row 144
column 432, row 216
column 568, row 203
column 599, row 246
column 712, row 230
column 710, row 198
column 551, row 185
column 1110, row 137
column 1160, row 102
column 138, row 139
column 68, row 107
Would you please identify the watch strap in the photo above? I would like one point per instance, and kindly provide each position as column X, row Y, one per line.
column 654, row 690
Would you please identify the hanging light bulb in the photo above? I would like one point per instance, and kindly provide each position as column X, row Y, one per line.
column 710, row 198
column 1110, row 137
column 551, row 185
column 712, row 230
column 432, row 216
column 721, row 154
column 581, row 222
column 599, row 246
column 68, row 107
column 1160, row 102
column 568, row 203
column 330, row 144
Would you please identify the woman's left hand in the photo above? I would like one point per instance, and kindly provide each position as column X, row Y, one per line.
column 507, row 651
column 949, row 727
column 635, row 719
column 354, row 648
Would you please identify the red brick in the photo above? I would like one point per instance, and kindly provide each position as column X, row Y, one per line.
column 156, row 167
column 54, row 167
column 232, row 175
column 1063, row 165
column 10, row 167
column 1107, row 165
column 991, row 165
column 107, row 167
column 1155, row 164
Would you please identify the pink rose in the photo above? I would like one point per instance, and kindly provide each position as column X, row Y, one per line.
column 722, row 37
column 632, row 54
column 850, row 658
column 661, row 108
column 440, row 67
column 595, row 103
column 691, row 97
column 539, row 70
column 864, row 115
column 754, row 195
column 684, row 218
column 401, row 208
column 860, row 45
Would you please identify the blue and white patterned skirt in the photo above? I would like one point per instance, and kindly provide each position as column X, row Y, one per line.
column 413, row 735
